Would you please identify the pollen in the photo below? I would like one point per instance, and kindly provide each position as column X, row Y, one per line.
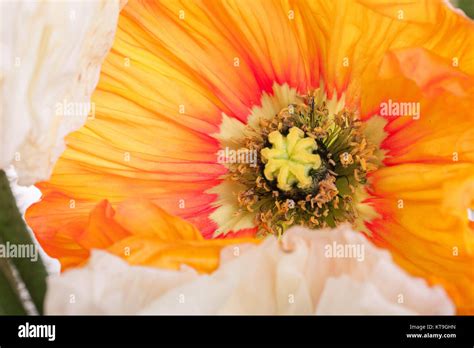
column 346, row 159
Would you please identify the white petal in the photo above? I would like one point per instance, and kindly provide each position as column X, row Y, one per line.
column 110, row 285
column 297, row 275
column 51, row 56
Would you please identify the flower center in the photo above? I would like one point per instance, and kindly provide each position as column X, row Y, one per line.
column 312, row 164
column 290, row 159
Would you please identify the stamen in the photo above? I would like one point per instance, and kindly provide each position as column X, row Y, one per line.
column 310, row 166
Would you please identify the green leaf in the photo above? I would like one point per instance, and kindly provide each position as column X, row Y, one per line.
column 13, row 230
column 467, row 6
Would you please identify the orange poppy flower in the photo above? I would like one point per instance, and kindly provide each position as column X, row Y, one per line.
column 246, row 117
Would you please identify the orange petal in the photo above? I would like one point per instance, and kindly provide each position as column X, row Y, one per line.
column 138, row 231
column 354, row 37
column 424, row 223
column 102, row 229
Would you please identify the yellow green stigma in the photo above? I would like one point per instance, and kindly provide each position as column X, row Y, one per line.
column 290, row 159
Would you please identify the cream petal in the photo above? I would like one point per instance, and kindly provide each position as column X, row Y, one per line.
column 303, row 273
column 51, row 57
column 110, row 285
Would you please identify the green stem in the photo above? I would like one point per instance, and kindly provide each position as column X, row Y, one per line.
column 13, row 230
column 10, row 302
